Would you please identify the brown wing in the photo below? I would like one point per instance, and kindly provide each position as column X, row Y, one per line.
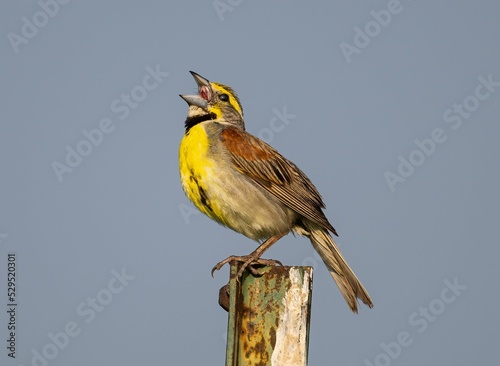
column 279, row 176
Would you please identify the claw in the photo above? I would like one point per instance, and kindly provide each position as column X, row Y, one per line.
column 248, row 262
column 221, row 264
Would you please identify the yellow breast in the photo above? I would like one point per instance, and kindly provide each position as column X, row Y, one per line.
column 195, row 168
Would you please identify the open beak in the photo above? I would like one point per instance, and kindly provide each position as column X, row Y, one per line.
column 204, row 92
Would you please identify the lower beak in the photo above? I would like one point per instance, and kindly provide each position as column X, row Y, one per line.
column 195, row 100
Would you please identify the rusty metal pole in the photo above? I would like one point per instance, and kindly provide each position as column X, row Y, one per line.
column 269, row 317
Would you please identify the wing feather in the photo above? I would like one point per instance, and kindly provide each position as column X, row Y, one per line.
column 257, row 160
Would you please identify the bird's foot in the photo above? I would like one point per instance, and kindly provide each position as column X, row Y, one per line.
column 247, row 262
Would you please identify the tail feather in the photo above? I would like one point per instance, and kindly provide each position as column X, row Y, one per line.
column 349, row 285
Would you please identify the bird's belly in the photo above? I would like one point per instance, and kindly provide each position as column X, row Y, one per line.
column 247, row 208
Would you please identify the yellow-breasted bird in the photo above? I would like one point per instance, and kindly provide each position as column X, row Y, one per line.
column 243, row 183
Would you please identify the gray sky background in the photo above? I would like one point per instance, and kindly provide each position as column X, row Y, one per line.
column 416, row 219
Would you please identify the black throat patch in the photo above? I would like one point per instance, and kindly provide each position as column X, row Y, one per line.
column 194, row 120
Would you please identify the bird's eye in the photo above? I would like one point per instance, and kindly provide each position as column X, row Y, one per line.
column 224, row 97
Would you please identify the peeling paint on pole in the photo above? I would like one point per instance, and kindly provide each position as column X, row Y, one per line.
column 292, row 330
column 269, row 317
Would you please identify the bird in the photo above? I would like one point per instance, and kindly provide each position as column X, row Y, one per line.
column 243, row 183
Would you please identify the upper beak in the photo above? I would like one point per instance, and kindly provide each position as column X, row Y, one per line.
column 200, row 80
column 195, row 100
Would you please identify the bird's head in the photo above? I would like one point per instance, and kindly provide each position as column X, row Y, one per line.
column 214, row 101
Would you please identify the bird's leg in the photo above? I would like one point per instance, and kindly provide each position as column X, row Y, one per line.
column 252, row 258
